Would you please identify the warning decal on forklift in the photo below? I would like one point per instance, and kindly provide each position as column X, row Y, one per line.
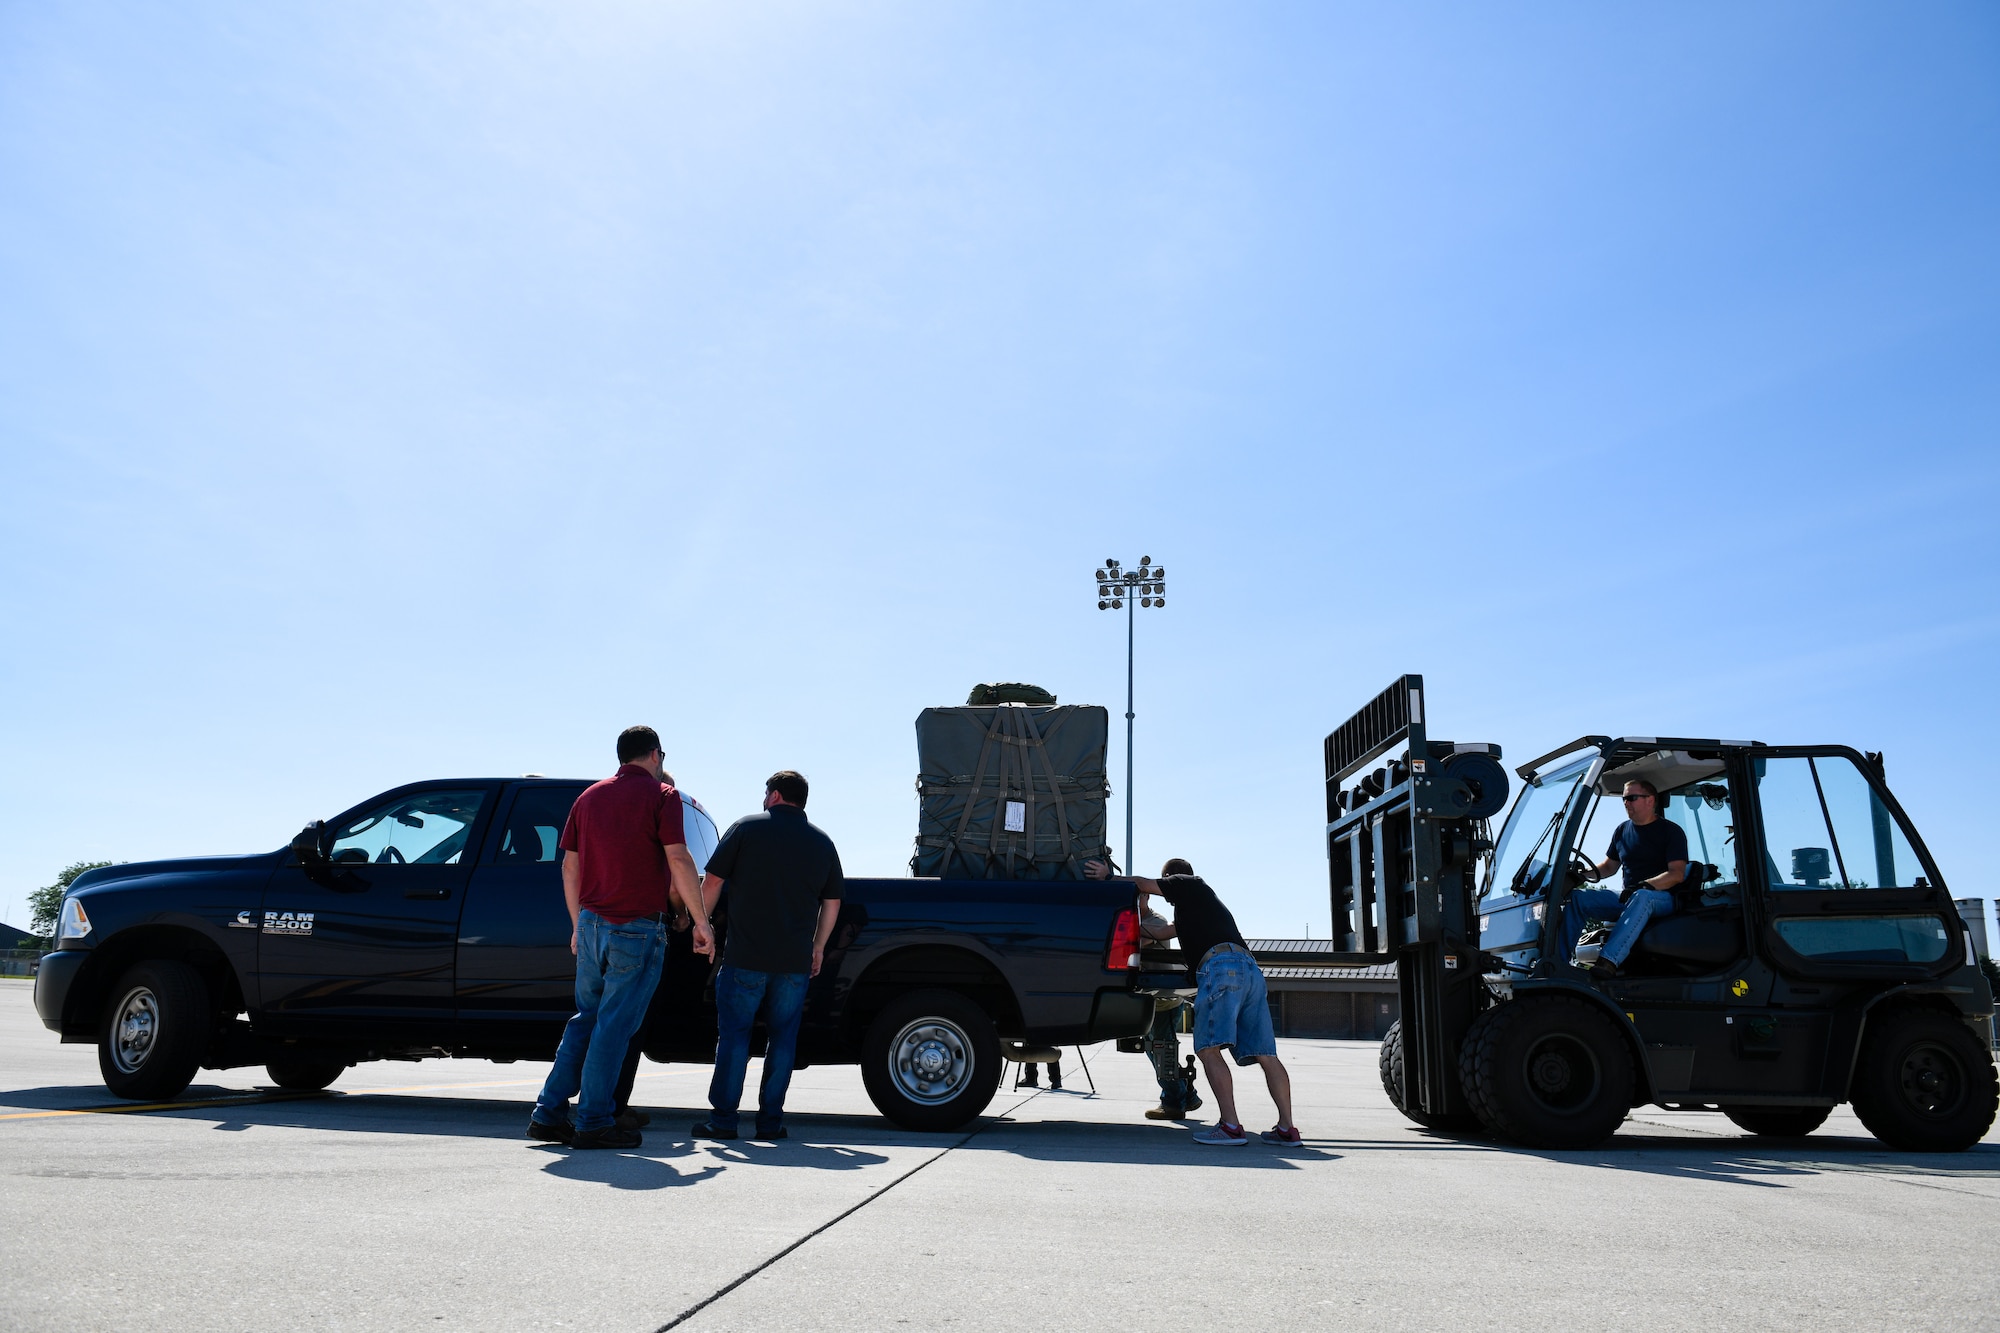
column 1017, row 816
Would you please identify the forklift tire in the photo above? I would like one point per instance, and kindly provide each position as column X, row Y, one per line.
column 931, row 1061
column 153, row 1033
column 1548, row 1071
column 1779, row 1122
column 1390, row 1065
column 1924, row 1082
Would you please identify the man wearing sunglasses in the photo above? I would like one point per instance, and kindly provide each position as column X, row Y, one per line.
column 1653, row 853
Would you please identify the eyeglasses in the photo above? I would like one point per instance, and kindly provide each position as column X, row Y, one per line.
column 1639, row 796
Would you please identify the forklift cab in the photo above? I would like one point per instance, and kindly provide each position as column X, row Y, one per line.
column 1838, row 884
column 1813, row 956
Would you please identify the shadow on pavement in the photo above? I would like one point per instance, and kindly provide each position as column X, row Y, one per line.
column 1750, row 1160
column 1139, row 1145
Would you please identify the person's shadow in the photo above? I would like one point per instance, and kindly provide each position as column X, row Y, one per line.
column 622, row 1170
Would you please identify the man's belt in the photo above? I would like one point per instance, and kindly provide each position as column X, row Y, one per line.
column 1223, row 947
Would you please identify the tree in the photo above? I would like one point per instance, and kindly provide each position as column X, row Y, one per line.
column 45, row 902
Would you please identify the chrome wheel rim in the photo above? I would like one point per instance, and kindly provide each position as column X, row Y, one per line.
column 931, row 1060
column 135, row 1030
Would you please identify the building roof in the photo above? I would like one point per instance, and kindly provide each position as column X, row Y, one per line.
column 1379, row 972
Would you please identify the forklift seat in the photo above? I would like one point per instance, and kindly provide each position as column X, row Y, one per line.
column 1708, row 935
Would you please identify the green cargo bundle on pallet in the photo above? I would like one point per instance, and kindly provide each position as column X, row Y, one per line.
column 1011, row 790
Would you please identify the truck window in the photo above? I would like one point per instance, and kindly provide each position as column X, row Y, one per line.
column 534, row 825
column 1826, row 828
column 429, row 828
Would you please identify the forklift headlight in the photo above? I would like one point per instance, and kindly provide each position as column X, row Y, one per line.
column 73, row 924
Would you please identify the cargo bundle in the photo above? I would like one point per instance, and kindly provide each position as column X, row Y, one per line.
column 1011, row 790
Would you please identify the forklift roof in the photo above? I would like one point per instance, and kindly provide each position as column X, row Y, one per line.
column 1664, row 761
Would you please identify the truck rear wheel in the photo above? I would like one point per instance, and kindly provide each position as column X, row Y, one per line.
column 304, row 1074
column 1924, row 1082
column 151, row 1038
column 1548, row 1071
column 1389, row 1064
column 1780, row 1122
column 931, row 1060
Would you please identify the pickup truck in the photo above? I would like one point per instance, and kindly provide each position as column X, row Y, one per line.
column 429, row 922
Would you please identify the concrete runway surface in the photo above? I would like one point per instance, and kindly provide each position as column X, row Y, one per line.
column 407, row 1198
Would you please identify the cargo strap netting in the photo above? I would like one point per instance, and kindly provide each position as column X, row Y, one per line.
column 963, row 828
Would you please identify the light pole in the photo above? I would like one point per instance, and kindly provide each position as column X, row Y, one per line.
column 1128, row 590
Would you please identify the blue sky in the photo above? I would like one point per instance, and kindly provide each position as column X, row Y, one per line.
column 397, row 390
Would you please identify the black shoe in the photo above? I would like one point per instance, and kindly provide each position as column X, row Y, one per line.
column 609, row 1137
column 631, row 1119
column 1055, row 1084
column 562, row 1133
column 773, row 1136
column 1603, row 970
column 1028, row 1080
column 707, row 1129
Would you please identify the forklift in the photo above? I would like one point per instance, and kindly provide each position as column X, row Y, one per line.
column 1814, row 955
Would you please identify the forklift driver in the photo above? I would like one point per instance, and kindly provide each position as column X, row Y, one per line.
column 1653, row 852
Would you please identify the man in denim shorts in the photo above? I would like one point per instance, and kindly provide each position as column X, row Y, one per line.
column 1230, row 1010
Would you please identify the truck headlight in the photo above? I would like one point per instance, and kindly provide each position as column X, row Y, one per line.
column 73, row 924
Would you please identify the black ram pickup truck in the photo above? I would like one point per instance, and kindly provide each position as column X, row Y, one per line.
column 429, row 921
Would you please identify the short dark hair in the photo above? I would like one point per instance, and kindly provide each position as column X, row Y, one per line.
column 637, row 743
column 1175, row 866
column 1651, row 790
column 791, row 787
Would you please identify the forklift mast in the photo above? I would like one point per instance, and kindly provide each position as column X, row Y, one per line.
column 1404, row 843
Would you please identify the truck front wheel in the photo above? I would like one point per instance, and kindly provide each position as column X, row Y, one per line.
column 931, row 1060
column 151, row 1038
column 1924, row 1082
column 1548, row 1071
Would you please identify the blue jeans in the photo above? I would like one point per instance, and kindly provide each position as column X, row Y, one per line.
column 739, row 993
column 1602, row 905
column 617, row 969
column 1230, row 1007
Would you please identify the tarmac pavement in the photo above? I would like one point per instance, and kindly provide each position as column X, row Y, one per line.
column 407, row 1197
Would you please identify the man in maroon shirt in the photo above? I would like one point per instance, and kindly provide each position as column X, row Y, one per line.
column 625, row 860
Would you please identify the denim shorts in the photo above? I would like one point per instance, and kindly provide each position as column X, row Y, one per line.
column 1230, row 1008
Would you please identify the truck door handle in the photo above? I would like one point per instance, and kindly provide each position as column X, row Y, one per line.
column 427, row 893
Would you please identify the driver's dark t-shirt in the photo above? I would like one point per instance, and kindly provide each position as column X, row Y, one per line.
column 1643, row 850
column 1200, row 920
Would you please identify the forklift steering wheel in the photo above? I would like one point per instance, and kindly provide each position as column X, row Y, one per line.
column 391, row 856
column 1581, row 870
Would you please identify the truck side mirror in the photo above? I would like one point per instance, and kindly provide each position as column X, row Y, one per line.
column 310, row 844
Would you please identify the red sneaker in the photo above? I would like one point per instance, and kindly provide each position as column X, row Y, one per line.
column 1280, row 1134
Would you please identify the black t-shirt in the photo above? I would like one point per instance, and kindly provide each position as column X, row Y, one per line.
column 1200, row 919
column 1643, row 850
column 776, row 868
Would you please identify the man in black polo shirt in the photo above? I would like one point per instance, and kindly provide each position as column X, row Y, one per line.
column 784, row 883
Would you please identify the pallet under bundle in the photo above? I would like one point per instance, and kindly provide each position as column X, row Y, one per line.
column 1011, row 791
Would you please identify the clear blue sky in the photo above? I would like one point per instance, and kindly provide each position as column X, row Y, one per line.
column 397, row 390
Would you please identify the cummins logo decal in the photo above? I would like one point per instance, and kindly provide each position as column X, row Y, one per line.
column 288, row 923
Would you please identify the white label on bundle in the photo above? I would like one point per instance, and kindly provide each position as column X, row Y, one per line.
column 1017, row 816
